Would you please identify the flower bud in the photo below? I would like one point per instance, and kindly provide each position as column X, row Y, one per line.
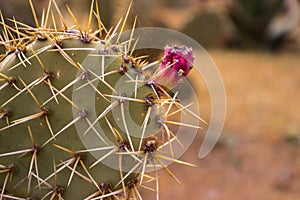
column 176, row 64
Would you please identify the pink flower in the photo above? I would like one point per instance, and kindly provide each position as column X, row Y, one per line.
column 176, row 64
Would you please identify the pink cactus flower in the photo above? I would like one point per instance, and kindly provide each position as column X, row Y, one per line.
column 176, row 64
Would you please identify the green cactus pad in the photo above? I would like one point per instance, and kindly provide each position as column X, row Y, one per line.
column 79, row 116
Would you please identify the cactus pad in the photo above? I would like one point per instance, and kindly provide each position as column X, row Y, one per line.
column 80, row 116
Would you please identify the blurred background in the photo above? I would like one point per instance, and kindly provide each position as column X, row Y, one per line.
column 256, row 46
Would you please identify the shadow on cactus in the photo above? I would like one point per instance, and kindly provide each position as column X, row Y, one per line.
column 55, row 143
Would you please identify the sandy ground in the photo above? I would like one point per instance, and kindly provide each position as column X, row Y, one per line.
column 257, row 156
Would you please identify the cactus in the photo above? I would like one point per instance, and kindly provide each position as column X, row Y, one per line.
column 53, row 143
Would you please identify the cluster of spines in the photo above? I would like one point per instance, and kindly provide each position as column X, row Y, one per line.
column 148, row 148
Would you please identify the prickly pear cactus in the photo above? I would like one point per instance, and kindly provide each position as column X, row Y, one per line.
column 80, row 117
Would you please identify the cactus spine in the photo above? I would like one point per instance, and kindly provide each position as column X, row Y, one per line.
column 50, row 145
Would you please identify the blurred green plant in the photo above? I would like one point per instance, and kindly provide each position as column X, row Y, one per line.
column 253, row 17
